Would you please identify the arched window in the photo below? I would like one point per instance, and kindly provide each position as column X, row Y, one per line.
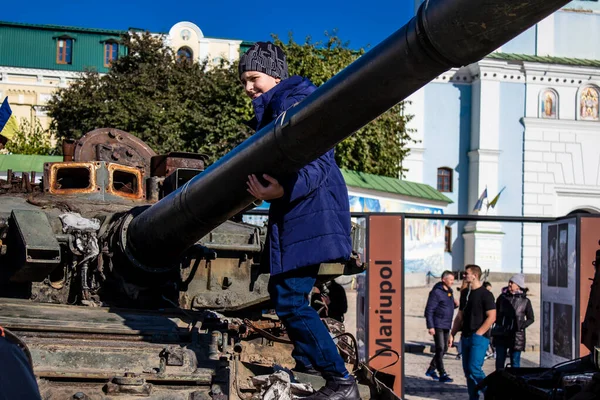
column 588, row 103
column 548, row 104
column 185, row 54
column 444, row 179
column 448, row 239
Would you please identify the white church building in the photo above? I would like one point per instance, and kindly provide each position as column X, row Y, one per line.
column 526, row 119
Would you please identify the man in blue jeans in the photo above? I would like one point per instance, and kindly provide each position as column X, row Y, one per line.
column 438, row 317
column 475, row 317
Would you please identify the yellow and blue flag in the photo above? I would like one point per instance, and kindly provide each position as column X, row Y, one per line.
column 479, row 203
column 495, row 200
column 8, row 122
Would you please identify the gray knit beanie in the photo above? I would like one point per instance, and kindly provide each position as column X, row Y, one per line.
column 265, row 57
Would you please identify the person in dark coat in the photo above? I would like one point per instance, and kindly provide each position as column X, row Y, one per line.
column 338, row 301
column 309, row 223
column 438, row 316
column 17, row 380
column 514, row 315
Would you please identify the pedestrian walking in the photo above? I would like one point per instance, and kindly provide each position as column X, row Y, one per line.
column 477, row 313
column 438, row 316
column 309, row 223
column 514, row 314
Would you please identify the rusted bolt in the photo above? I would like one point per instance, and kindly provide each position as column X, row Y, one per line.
column 238, row 347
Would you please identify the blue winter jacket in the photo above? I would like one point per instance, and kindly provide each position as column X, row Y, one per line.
column 440, row 307
column 310, row 224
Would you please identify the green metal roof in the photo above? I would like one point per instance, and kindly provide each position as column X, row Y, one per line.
column 391, row 185
column 63, row 28
column 577, row 62
column 35, row 46
column 25, row 163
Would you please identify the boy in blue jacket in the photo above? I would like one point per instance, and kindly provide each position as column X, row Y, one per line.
column 309, row 223
column 438, row 316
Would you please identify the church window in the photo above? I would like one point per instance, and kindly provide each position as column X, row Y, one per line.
column 444, row 179
column 448, row 239
column 549, row 104
column 184, row 54
column 588, row 103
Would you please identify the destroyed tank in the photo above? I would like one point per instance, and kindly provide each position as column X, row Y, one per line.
column 129, row 274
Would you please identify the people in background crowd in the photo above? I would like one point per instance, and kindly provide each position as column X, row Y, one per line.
column 513, row 315
column 438, row 316
column 475, row 317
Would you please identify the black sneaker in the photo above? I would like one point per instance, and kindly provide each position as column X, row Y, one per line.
column 337, row 389
column 432, row 374
column 445, row 379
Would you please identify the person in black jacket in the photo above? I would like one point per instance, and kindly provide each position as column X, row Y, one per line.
column 438, row 315
column 514, row 315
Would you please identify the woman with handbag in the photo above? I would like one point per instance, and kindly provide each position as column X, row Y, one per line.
column 513, row 315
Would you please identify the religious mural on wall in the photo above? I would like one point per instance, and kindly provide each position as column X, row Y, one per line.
column 588, row 103
column 548, row 104
column 423, row 239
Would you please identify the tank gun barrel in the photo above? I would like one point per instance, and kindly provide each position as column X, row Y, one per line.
column 443, row 34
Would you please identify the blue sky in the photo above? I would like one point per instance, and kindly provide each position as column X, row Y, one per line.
column 362, row 23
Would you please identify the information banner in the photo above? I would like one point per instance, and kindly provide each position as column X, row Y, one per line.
column 385, row 297
column 560, row 285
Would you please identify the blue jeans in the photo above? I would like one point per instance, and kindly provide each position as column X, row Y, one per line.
column 473, row 355
column 313, row 346
column 501, row 352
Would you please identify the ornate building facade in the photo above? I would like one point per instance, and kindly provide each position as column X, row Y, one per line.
column 35, row 60
column 526, row 119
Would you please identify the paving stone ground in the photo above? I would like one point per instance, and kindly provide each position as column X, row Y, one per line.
column 419, row 387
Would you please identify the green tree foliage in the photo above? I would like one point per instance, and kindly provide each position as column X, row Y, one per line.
column 380, row 146
column 177, row 105
column 173, row 105
column 30, row 139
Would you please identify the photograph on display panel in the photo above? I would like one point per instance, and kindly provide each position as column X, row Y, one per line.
column 562, row 321
column 559, row 311
column 562, row 275
column 546, row 332
column 552, row 255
